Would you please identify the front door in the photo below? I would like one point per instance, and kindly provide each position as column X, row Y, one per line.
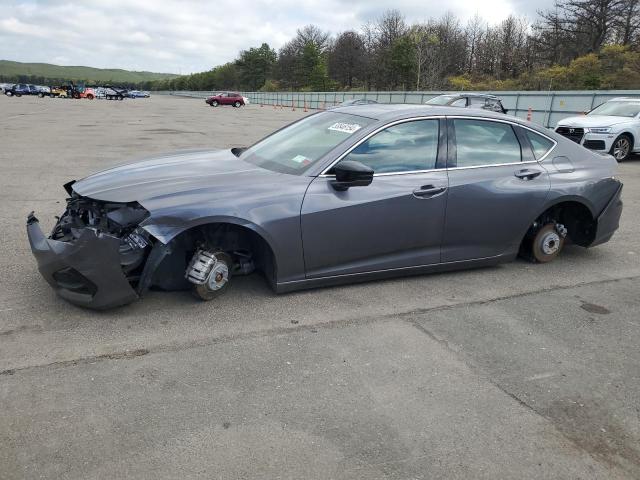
column 496, row 188
column 395, row 222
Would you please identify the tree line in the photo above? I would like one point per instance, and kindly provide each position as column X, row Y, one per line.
column 577, row 44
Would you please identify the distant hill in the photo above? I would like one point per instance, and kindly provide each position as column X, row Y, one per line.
column 10, row 71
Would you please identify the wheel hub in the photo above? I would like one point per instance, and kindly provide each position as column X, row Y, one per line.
column 550, row 243
column 218, row 277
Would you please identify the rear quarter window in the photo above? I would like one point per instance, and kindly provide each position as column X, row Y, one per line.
column 540, row 145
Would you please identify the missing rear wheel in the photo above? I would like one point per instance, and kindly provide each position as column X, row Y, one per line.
column 547, row 243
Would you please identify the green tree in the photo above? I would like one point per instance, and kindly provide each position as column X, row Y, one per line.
column 313, row 67
column 255, row 66
column 403, row 61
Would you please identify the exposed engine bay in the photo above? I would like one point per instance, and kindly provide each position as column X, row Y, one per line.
column 118, row 219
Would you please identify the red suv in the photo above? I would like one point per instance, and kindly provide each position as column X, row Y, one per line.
column 226, row 98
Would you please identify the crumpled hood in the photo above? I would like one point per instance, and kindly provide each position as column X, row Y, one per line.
column 586, row 121
column 169, row 175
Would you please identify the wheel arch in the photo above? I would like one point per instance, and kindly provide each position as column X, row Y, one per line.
column 256, row 235
column 576, row 213
column 629, row 133
column 570, row 199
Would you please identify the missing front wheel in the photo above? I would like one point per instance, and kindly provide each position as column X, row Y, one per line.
column 210, row 273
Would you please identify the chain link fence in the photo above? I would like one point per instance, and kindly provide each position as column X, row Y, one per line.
column 547, row 108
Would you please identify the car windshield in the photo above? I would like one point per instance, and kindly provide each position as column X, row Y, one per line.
column 295, row 148
column 617, row 109
column 440, row 100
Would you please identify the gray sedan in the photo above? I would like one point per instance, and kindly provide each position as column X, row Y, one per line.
column 355, row 193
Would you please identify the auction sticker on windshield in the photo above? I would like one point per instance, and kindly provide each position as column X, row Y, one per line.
column 345, row 127
column 301, row 159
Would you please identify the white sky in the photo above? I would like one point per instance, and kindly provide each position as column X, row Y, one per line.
column 185, row 36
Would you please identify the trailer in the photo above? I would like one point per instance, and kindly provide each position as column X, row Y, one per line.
column 115, row 93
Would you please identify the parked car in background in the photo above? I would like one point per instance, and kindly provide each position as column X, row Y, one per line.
column 357, row 101
column 5, row 86
column 43, row 91
column 20, row 89
column 613, row 127
column 100, row 92
column 371, row 191
column 138, row 94
column 469, row 100
column 58, row 92
column 227, row 98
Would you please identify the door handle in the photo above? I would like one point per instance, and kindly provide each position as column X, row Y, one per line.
column 527, row 174
column 428, row 191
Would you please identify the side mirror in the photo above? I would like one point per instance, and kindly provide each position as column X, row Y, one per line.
column 350, row 173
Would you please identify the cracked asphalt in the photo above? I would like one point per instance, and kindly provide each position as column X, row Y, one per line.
column 517, row 371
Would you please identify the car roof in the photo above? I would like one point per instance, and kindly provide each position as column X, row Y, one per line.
column 389, row 112
column 393, row 111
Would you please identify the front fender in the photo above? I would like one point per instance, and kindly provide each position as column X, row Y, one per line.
column 166, row 229
column 282, row 235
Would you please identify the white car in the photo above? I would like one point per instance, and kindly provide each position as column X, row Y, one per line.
column 613, row 127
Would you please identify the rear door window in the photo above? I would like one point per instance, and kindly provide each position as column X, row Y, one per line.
column 485, row 143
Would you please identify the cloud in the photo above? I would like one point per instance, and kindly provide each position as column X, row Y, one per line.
column 184, row 36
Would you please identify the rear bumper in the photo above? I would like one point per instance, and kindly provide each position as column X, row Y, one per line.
column 87, row 272
column 609, row 220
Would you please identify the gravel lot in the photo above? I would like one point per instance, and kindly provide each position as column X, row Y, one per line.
column 518, row 371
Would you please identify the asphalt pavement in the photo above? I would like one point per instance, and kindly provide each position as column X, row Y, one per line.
column 517, row 371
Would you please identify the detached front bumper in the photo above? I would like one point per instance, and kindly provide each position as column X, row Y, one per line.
column 86, row 272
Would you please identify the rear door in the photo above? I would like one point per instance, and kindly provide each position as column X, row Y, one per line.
column 496, row 188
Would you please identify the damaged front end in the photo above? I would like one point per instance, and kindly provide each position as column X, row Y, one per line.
column 97, row 255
